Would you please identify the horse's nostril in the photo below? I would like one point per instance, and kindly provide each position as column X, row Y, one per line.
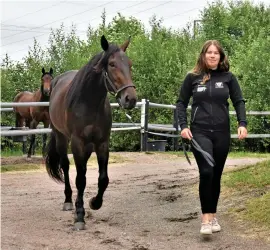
column 127, row 99
column 133, row 102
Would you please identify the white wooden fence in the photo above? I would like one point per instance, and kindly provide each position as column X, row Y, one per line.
column 144, row 127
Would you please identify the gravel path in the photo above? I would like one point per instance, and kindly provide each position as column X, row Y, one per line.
column 149, row 205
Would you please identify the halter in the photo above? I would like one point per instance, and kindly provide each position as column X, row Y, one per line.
column 116, row 91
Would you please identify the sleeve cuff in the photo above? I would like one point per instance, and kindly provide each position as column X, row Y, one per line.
column 183, row 125
column 242, row 124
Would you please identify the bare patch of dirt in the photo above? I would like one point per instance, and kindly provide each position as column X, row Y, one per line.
column 13, row 160
column 148, row 205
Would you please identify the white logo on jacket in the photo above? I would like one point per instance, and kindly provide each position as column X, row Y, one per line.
column 219, row 85
column 201, row 88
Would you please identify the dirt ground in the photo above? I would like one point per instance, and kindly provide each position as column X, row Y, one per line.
column 148, row 205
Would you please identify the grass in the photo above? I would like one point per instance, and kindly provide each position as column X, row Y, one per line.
column 239, row 154
column 8, row 153
column 16, row 152
column 248, row 154
column 20, row 167
column 252, row 184
column 32, row 167
column 254, row 176
column 258, row 210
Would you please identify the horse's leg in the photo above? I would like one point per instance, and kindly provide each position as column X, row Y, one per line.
column 46, row 125
column 33, row 125
column 24, row 149
column 26, row 123
column 62, row 148
column 57, row 163
column 18, row 120
column 102, row 151
column 81, row 154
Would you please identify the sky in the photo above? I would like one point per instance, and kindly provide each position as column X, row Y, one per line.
column 21, row 21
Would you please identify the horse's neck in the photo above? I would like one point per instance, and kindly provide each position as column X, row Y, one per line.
column 94, row 95
column 39, row 97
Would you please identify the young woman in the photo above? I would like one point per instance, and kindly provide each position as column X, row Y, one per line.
column 211, row 84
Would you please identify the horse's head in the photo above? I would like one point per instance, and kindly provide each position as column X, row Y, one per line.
column 116, row 67
column 46, row 79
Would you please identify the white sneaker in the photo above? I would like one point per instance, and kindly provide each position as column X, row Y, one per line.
column 215, row 226
column 206, row 228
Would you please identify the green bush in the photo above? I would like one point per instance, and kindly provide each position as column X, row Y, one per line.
column 161, row 58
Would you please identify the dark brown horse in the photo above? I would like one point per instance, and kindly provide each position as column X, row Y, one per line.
column 32, row 116
column 80, row 113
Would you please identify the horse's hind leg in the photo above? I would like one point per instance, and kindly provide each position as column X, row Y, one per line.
column 33, row 125
column 57, row 163
column 19, row 120
column 46, row 125
column 19, row 123
column 81, row 154
column 102, row 152
column 62, row 148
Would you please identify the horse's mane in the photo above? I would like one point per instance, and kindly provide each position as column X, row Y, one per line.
column 88, row 76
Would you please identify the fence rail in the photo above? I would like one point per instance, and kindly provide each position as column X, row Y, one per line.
column 144, row 126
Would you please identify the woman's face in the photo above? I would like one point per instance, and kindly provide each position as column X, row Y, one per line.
column 212, row 57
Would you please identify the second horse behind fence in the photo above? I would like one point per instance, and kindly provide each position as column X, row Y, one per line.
column 32, row 116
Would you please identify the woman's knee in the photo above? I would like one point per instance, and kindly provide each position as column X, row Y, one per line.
column 206, row 173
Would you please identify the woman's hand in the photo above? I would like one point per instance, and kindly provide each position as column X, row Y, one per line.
column 186, row 133
column 242, row 133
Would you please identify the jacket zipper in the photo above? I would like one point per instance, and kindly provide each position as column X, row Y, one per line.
column 210, row 82
column 194, row 114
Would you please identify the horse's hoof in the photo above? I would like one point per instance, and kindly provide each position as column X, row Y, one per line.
column 95, row 204
column 67, row 206
column 79, row 226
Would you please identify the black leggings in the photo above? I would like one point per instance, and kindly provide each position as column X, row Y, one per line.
column 217, row 144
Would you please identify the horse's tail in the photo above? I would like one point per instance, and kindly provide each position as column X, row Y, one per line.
column 52, row 160
column 15, row 109
column 16, row 99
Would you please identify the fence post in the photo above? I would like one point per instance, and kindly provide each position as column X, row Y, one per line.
column 144, row 124
column 175, row 125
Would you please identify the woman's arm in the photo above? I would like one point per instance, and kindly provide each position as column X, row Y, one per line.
column 238, row 101
column 183, row 100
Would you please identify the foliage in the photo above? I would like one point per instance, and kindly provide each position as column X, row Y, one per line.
column 161, row 58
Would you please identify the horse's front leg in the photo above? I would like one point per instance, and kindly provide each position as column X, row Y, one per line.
column 80, row 154
column 102, row 152
column 33, row 125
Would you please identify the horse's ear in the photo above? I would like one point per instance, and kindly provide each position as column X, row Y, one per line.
column 104, row 43
column 125, row 44
column 51, row 71
column 43, row 71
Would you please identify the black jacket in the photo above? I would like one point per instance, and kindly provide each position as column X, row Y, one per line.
column 210, row 107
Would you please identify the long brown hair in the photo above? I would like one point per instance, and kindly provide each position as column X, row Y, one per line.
column 201, row 66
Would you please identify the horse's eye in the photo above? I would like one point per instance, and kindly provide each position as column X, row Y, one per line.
column 112, row 64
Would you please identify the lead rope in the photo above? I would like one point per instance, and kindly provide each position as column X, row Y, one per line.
column 195, row 145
